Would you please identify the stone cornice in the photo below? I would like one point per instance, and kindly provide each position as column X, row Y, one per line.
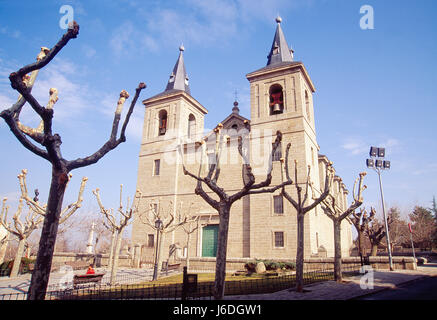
column 292, row 66
column 174, row 95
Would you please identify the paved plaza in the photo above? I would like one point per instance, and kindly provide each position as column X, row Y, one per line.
column 58, row 279
column 352, row 287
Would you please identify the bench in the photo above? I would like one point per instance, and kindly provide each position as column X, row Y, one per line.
column 87, row 278
column 168, row 267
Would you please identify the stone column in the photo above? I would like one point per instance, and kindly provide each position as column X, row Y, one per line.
column 89, row 247
column 136, row 259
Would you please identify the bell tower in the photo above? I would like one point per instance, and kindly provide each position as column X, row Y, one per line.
column 172, row 117
column 281, row 95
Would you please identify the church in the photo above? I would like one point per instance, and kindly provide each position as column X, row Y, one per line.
column 262, row 226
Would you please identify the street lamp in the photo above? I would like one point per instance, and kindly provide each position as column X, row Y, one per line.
column 378, row 165
column 158, row 227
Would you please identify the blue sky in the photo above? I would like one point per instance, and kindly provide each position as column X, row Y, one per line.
column 373, row 87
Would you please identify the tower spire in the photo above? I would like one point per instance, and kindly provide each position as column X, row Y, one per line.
column 179, row 78
column 280, row 51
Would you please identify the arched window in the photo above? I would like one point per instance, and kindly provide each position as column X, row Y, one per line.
column 307, row 105
column 276, row 103
column 191, row 126
column 162, row 122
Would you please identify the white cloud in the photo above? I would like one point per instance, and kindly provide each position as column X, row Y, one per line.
column 426, row 169
column 194, row 22
column 10, row 33
column 355, row 146
column 88, row 51
column 74, row 95
column 121, row 41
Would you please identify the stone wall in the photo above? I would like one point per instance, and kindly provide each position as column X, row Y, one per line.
column 379, row 263
column 81, row 260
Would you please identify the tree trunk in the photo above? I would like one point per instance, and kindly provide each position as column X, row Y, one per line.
column 222, row 244
column 18, row 256
column 116, row 254
column 374, row 251
column 187, row 259
column 337, row 251
column 159, row 257
column 3, row 247
column 360, row 245
column 43, row 264
column 111, row 250
column 300, row 252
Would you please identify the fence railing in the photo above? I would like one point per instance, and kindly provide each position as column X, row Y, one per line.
column 204, row 290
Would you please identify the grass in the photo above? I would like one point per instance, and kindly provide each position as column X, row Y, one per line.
column 208, row 277
column 171, row 287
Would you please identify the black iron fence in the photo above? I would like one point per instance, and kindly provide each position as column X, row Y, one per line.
column 175, row 291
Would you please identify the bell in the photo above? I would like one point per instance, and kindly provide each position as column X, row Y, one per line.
column 276, row 108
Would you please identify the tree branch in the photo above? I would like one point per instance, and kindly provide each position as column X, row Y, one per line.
column 112, row 143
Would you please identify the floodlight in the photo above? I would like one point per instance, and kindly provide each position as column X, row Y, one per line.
column 381, row 152
column 373, row 151
column 370, row 163
column 386, row 164
column 378, row 163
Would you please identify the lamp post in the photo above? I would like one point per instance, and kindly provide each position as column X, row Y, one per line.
column 158, row 226
column 378, row 165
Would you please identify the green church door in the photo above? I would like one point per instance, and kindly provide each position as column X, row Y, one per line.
column 209, row 241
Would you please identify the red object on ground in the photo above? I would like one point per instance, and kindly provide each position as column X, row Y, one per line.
column 90, row 271
column 409, row 226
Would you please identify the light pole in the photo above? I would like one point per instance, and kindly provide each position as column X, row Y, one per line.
column 158, row 225
column 378, row 165
column 412, row 244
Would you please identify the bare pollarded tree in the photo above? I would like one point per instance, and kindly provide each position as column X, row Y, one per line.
column 117, row 228
column 4, row 240
column 302, row 207
column 336, row 211
column 361, row 220
column 34, row 217
column 41, row 209
column 189, row 228
column 19, row 229
column 375, row 231
column 225, row 201
column 49, row 147
column 167, row 223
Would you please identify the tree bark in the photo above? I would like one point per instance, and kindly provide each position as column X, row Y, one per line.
column 222, row 244
column 43, row 264
column 159, row 256
column 116, row 255
column 187, row 259
column 337, row 250
column 111, row 250
column 18, row 256
column 374, row 251
column 3, row 247
column 300, row 251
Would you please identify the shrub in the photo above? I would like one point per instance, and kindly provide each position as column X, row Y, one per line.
column 290, row 265
column 250, row 266
column 6, row 267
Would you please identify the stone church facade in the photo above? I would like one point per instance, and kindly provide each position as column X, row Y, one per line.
column 261, row 225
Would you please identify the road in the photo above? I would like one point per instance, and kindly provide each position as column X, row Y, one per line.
column 420, row 289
